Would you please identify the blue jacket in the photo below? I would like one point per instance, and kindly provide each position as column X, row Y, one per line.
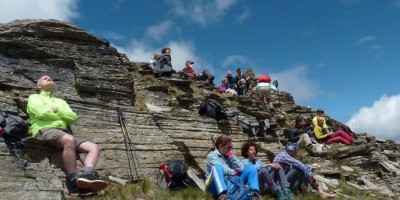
column 229, row 164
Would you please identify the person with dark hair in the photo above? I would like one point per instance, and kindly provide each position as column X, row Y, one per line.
column 163, row 65
column 204, row 76
column 271, row 177
column 241, row 82
column 50, row 117
column 298, row 174
column 226, row 174
column 303, row 134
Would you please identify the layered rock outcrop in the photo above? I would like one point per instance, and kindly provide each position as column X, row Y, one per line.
column 161, row 115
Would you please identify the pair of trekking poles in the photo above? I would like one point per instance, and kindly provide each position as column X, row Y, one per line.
column 129, row 148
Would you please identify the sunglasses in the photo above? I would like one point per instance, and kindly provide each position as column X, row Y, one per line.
column 228, row 146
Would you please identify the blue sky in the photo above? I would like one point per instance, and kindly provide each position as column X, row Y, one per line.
column 340, row 55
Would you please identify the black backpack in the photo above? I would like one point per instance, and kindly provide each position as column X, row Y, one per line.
column 14, row 129
column 173, row 175
column 212, row 108
column 259, row 129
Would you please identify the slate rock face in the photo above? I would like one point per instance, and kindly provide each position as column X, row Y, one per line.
column 161, row 114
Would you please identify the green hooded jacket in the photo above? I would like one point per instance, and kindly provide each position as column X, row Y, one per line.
column 41, row 112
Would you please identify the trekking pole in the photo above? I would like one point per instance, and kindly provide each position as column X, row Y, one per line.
column 275, row 83
column 130, row 150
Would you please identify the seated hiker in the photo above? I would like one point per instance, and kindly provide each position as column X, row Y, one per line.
column 224, row 88
column 49, row 117
column 241, row 82
column 263, row 92
column 231, row 80
column 298, row 174
column 271, row 177
column 226, row 175
column 324, row 135
column 204, row 76
column 320, row 113
column 303, row 135
column 163, row 65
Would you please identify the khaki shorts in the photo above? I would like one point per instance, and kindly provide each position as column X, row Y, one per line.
column 53, row 136
column 264, row 92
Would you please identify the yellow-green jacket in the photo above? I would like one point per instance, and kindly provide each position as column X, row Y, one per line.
column 40, row 109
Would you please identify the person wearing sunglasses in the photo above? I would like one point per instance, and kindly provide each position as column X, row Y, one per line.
column 226, row 175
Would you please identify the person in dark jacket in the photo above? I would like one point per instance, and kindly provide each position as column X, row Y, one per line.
column 302, row 134
column 163, row 66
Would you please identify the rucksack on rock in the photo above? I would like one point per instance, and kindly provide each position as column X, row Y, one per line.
column 264, row 78
column 259, row 129
column 173, row 175
column 212, row 108
column 14, row 127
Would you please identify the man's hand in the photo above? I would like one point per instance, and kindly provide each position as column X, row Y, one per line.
column 276, row 166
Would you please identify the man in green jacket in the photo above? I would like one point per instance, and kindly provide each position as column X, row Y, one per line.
column 49, row 117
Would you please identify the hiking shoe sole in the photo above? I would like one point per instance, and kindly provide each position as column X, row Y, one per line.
column 95, row 185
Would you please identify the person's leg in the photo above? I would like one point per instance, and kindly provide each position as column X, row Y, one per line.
column 337, row 139
column 291, row 177
column 92, row 150
column 67, row 143
column 215, row 183
column 89, row 179
column 283, row 181
column 344, row 135
column 265, row 181
column 250, row 177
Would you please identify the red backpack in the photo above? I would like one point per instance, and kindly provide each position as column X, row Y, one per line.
column 264, row 78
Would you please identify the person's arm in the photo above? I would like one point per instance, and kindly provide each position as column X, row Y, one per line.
column 213, row 159
column 42, row 111
column 314, row 121
column 65, row 112
column 294, row 134
column 319, row 133
column 234, row 162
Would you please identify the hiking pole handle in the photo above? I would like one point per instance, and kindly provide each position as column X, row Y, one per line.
column 120, row 114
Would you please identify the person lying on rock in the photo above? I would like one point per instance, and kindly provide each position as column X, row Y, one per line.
column 298, row 174
column 49, row 117
column 324, row 135
column 226, row 175
column 204, row 76
column 271, row 176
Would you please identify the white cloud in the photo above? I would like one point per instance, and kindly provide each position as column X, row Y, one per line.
column 365, row 39
column 202, row 12
column 64, row 10
column 243, row 16
column 140, row 51
column 380, row 120
column 376, row 47
column 295, row 82
column 111, row 35
column 157, row 32
column 235, row 61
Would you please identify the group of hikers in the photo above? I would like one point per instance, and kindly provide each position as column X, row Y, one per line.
column 237, row 85
column 227, row 176
column 50, row 118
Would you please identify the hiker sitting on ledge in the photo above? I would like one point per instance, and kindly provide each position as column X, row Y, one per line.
column 226, row 175
column 49, row 117
column 204, row 76
column 324, row 135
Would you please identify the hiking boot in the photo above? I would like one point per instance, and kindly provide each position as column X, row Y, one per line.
column 288, row 193
column 358, row 141
column 74, row 190
column 280, row 195
column 91, row 181
column 254, row 195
